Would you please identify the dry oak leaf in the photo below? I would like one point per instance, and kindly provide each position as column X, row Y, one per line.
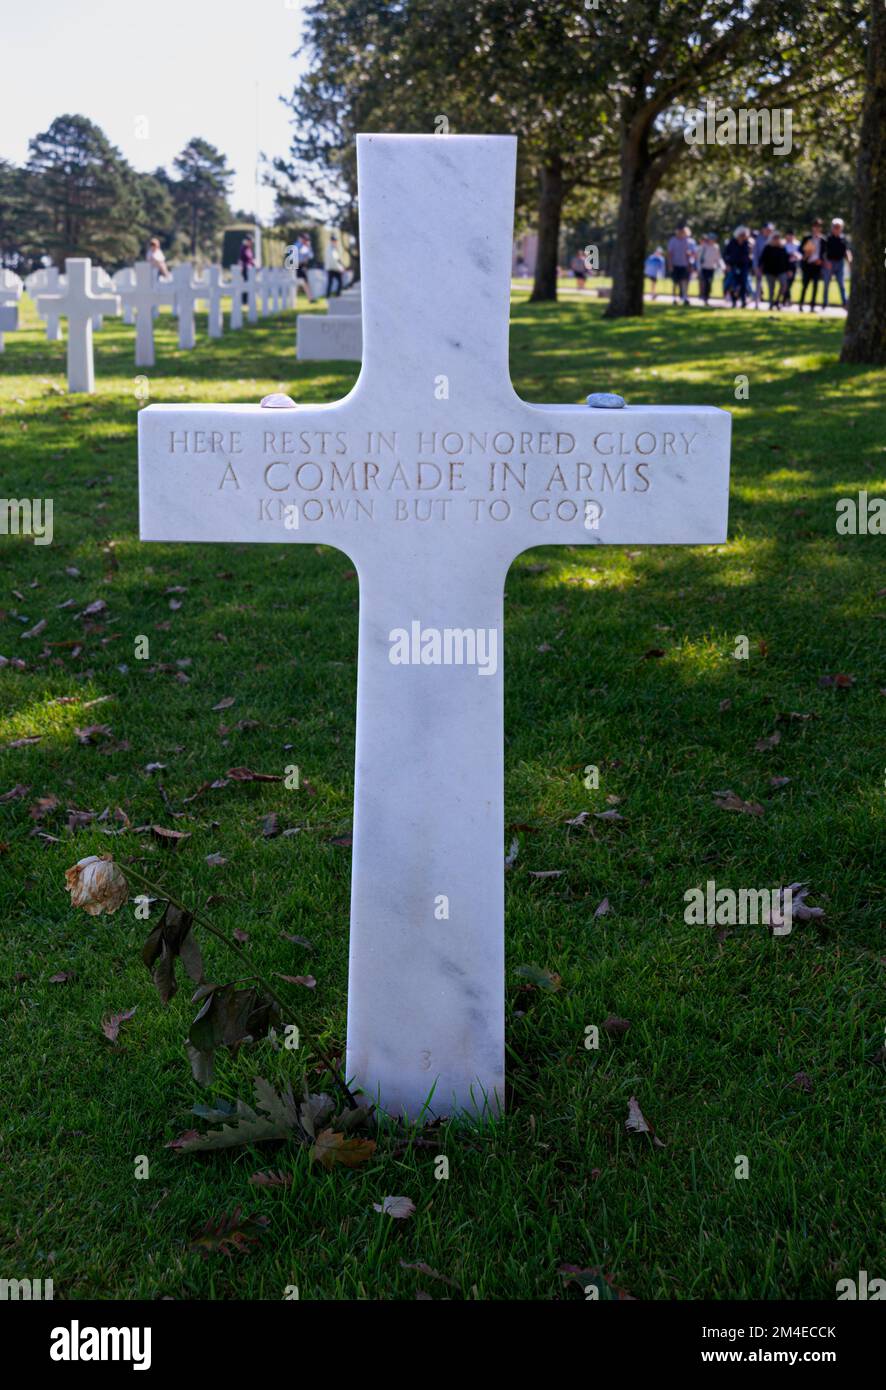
column 636, row 1123
column 183, row 1140
column 232, row 1233
column 728, row 801
column 91, row 733
column 171, row 838
column 331, row 1148
column 42, row 806
column 111, row 1024
column 269, row 1178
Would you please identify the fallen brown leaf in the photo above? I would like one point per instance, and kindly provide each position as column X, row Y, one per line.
column 331, row 1148
column 269, row 1178
column 93, row 732
column 15, row 792
column 728, row 801
column 170, row 838
column 636, row 1123
column 111, row 1024
column 246, row 774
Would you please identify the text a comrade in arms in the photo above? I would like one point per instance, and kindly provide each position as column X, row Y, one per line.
column 312, row 460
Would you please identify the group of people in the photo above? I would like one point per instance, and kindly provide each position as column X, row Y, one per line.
column 304, row 251
column 752, row 257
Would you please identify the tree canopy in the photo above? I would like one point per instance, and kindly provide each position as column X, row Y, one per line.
column 77, row 195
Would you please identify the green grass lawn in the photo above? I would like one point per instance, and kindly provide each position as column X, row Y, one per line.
column 720, row 1023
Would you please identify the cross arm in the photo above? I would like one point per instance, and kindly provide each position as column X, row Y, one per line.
column 497, row 481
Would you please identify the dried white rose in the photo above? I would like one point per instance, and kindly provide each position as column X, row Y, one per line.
column 97, row 884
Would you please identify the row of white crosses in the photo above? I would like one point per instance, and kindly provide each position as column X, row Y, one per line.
column 86, row 293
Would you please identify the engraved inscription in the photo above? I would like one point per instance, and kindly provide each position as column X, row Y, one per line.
column 490, row 475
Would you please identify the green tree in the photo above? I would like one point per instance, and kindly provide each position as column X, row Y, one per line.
column 496, row 67
column 11, row 224
column 79, row 195
column 158, row 208
column 865, row 333
column 665, row 55
column 200, row 194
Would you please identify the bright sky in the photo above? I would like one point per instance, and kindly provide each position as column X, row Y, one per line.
column 176, row 68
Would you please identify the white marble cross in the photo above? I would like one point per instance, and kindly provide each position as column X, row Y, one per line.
column 187, row 291
column 142, row 298
column 76, row 302
column 47, row 281
column 10, row 294
column 101, row 284
column 263, row 279
column 432, row 475
column 252, row 294
column 124, row 280
column 235, row 289
column 214, row 291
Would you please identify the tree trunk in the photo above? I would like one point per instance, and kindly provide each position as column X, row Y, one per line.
column 550, row 207
column 864, row 337
column 638, row 183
